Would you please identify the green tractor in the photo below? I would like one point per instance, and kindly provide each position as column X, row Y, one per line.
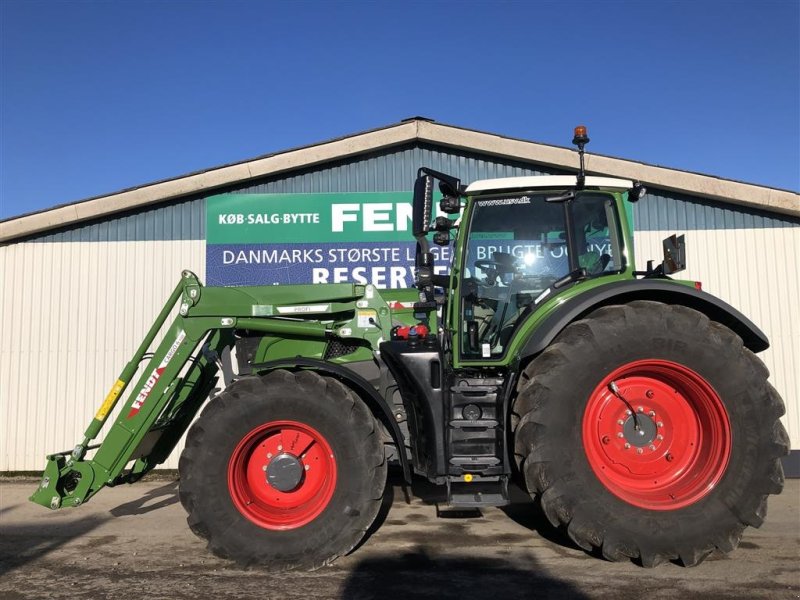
column 631, row 405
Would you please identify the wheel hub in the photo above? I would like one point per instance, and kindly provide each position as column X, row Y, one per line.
column 284, row 472
column 282, row 475
column 640, row 431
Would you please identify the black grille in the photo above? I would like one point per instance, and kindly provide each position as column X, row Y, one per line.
column 337, row 348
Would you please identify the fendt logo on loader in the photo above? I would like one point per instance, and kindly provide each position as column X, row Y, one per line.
column 154, row 377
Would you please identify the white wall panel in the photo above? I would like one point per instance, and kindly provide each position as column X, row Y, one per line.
column 756, row 271
column 71, row 316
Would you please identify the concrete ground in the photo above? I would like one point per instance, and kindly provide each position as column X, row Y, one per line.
column 133, row 542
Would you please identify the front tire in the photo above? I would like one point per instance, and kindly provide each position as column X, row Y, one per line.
column 651, row 433
column 284, row 471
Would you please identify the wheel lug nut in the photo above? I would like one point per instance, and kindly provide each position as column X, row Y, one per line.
column 649, row 393
column 280, row 447
column 620, row 434
column 652, row 447
column 659, row 437
column 269, row 454
column 652, row 413
column 628, row 412
column 627, row 445
column 264, row 468
column 606, row 439
column 639, row 451
column 620, row 422
column 307, row 467
column 639, row 409
column 660, row 423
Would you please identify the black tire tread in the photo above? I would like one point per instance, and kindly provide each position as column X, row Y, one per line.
column 233, row 400
column 533, row 412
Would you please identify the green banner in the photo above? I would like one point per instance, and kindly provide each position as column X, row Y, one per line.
column 294, row 218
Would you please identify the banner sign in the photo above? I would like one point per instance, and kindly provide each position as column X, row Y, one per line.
column 265, row 239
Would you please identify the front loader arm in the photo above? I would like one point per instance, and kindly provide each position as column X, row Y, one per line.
column 157, row 411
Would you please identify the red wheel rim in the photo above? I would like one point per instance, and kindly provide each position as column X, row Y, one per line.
column 260, row 463
column 681, row 448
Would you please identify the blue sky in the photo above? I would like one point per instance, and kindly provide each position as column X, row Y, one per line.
column 99, row 96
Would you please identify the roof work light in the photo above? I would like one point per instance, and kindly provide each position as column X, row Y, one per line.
column 581, row 135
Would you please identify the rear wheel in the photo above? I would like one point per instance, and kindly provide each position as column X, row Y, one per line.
column 650, row 432
column 286, row 471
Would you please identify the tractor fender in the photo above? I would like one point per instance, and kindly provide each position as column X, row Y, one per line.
column 658, row 290
column 363, row 388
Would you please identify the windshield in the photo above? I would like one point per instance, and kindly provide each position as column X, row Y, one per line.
column 517, row 248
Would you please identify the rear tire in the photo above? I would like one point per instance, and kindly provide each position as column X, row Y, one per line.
column 284, row 471
column 698, row 468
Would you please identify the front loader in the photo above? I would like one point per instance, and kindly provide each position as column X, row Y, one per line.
column 630, row 404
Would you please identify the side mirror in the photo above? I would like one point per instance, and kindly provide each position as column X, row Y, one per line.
column 423, row 204
column 422, row 212
column 674, row 254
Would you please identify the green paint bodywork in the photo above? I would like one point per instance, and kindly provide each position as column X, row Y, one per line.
column 183, row 370
column 293, row 321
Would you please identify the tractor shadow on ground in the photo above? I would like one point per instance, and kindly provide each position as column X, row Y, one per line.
column 22, row 543
column 152, row 500
column 416, row 574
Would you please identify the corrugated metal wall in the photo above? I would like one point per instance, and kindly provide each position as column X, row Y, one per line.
column 75, row 303
column 749, row 259
column 389, row 171
column 73, row 313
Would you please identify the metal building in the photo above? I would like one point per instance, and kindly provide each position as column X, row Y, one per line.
column 82, row 282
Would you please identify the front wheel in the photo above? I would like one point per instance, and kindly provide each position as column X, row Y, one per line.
column 650, row 432
column 285, row 471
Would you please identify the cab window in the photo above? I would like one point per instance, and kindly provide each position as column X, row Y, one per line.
column 517, row 248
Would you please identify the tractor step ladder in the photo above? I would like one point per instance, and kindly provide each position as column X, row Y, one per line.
column 478, row 491
column 476, row 443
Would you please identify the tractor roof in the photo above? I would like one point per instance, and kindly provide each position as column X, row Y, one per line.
column 545, row 181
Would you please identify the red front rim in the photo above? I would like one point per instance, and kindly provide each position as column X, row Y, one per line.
column 257, row 480
column 676, row 449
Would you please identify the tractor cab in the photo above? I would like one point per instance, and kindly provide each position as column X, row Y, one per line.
column 527, row 239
